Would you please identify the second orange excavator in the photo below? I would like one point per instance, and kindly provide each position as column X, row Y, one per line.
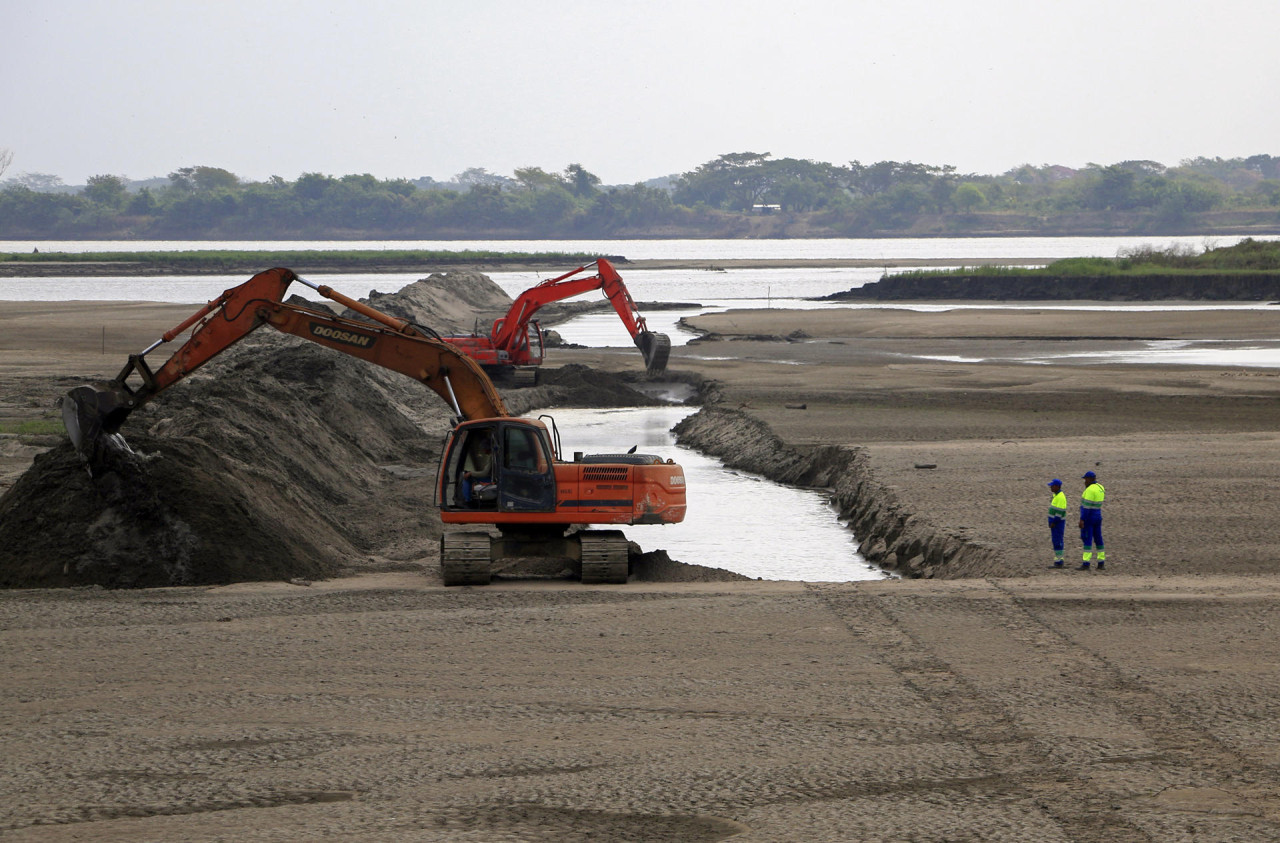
column 516, row 344
column 496, row 470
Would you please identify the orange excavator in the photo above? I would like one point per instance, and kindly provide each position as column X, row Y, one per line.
column 496, row 470
column 516, row 343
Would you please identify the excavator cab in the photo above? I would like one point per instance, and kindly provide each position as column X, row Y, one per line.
column 498, row 465
column 533, row 349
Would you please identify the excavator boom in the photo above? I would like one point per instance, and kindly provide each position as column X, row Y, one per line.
column 94, row 411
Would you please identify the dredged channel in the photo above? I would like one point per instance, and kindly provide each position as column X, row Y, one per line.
column 737, row 521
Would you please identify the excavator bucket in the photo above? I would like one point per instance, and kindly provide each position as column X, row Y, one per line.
column 92, row 414
column 656, row 348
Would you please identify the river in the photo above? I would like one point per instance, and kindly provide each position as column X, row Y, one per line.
column 803, row 249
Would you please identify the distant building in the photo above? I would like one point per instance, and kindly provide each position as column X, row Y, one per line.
column 765, row 209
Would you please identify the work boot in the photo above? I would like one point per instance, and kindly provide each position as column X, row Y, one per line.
column 1084, row 566
column 1102, row 566
column 1057, row 563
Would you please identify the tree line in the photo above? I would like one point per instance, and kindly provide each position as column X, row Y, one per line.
column 738, row 194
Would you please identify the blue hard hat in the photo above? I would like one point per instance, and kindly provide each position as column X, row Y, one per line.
column 1054, row 482
column 1088, row 475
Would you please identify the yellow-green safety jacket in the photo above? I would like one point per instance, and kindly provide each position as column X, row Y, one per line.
column 1058, row 507
column 1091, row 501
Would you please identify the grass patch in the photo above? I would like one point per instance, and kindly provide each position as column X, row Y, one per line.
column 1249, row 256
column 31, row 427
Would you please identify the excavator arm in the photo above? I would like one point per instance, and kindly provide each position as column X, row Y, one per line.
column 512, row 328
column 95, row 411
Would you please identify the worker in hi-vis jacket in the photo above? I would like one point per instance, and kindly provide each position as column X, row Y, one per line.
column 1057, row 520
column 1091, row 520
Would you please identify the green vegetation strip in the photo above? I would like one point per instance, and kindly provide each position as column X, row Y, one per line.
column 32, row 427
column 1252, row 257
column 323, row 257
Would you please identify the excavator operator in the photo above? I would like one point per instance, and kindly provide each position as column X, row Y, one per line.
column 478, row 487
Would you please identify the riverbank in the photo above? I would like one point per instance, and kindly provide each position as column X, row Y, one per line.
column 998, row 699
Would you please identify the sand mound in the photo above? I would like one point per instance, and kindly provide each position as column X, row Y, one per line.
column 268, row 464
column 280, row 459
column 452, row 302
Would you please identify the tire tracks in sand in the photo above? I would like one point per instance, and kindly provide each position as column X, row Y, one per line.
column 1062, row 729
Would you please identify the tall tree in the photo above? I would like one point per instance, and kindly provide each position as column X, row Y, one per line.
column 734, row 181
column 969, row 196
column 107, row 191
column 203, row 179
column 474, row 177
column 581, row 182
column 40, row 182
column 536, row 178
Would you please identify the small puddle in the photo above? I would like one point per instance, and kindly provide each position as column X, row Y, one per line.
column 1257, row 354
column 737, row 521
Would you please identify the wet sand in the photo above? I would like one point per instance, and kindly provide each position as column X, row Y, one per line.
column 1039, row 704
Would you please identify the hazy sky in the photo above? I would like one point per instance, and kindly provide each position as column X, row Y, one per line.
column 629, row 90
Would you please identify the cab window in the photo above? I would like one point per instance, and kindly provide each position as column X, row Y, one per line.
column 523, row 451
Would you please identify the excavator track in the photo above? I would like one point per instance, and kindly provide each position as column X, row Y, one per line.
column 464, row 558
column 522, row 377
column 604, row 556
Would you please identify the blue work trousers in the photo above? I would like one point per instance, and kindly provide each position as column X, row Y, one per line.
column 1057, row 529
column 1091, row 532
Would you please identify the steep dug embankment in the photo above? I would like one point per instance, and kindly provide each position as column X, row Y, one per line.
column 891, row 536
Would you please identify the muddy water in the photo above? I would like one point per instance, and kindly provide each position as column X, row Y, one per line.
column 737, row 521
